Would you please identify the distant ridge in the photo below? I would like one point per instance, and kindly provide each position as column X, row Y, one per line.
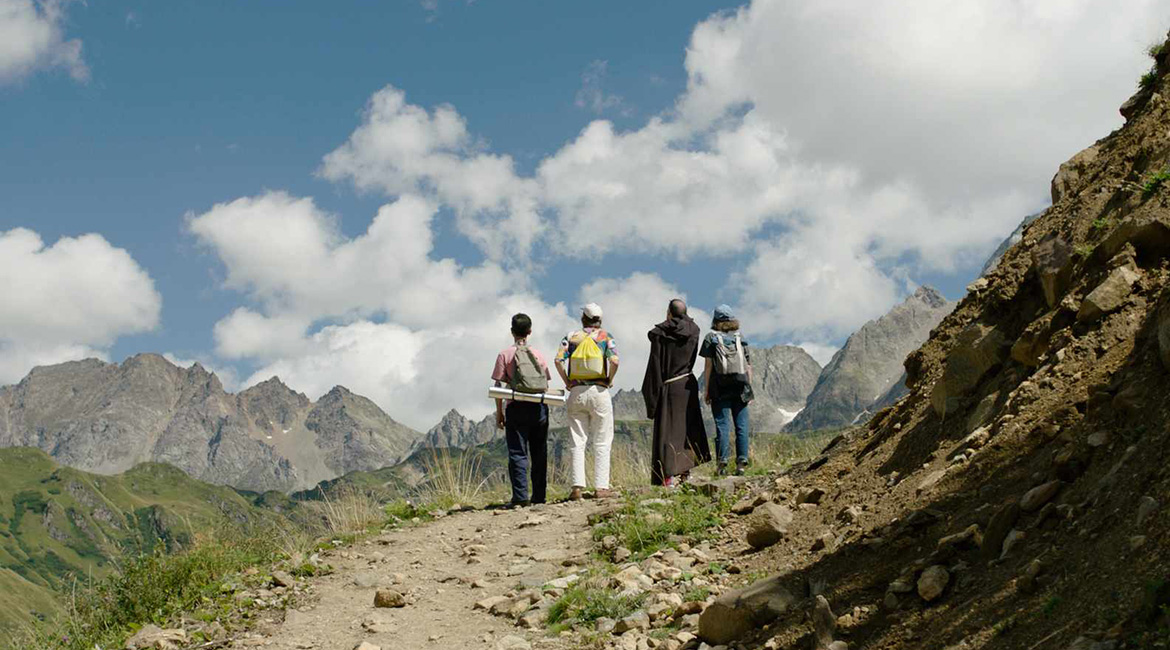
column 107, row 417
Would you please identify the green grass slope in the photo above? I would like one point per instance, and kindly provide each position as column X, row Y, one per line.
column 60, row 525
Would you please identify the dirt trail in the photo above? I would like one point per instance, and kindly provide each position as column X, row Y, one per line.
column 443, row 568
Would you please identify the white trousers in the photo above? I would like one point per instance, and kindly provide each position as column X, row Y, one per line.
column 590, row 410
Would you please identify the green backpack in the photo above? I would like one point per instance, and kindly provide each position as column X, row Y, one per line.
column 528, row 377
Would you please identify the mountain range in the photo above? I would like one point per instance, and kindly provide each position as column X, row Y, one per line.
column 106, row 418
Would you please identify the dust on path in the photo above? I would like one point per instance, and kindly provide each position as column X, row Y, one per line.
column 442, row 579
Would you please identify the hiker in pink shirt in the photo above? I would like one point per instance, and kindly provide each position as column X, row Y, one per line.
column 524, row 370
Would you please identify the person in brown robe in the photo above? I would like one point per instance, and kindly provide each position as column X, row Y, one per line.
column 671, row 392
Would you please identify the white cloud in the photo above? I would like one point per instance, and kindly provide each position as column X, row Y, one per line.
column 592, row 95
column 838, row 151
column 632, row 306
column 381, row 315
column 822, row 353
column 400, row 148
column 882, row 143
column 32, row 38
column 67, row 301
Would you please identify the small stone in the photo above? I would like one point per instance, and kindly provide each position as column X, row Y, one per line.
column 512, row 642
column 621, row 554
column 826, row 540
column 388, row 598
column 283, row 579
column 366, row 645
column 488, row 603
column 1014, row 537
column 637, row 621
column 824, row 623
column 849, row 514
column 933, row 582
column 1098, row 439
column 811, row 495
column 152, row 637
column 890, row 602
column 1146, row 507
column 1035, row 498
column 768, row 525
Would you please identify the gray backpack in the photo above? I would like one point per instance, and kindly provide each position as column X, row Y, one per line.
column 528, row 377
column 730, row 359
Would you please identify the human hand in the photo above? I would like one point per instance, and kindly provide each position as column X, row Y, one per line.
column 499, row 420
column 706, row 398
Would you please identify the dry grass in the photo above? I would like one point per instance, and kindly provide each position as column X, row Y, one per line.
column 347, row 511
column 457, row 479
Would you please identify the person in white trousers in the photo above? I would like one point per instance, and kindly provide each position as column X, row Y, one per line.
column 589, row 406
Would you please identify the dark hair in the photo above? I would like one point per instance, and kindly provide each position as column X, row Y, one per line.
column 521, row 325
column 678, row 308
column 590, row 322
column 725, row 325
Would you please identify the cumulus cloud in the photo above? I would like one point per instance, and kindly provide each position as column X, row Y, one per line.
column 402, row 148
column 837, row 152
column 382, row 315
column 67, row 301
column 32, row 38
column 844, row 150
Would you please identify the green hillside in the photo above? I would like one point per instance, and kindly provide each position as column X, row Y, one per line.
column 59, row 525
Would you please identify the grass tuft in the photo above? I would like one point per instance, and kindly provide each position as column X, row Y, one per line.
column 1154, row 51
column 1148, row 80
column 589, row 600
column 644, row 530
column 1155, row 182
column 455, row 478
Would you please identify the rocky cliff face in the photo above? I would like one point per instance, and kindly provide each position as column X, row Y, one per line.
column 869, row 365
column 107, row 418
column 783, row 378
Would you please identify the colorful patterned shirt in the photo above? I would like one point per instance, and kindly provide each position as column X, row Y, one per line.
column 604, row 341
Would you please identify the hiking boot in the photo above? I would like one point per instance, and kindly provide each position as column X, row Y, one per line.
column 575, row 494
column 740, row 469
column 512, row 505
column 603, row 493
column 721, row 469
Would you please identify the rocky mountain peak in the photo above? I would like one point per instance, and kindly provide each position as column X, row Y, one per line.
column 929, row 296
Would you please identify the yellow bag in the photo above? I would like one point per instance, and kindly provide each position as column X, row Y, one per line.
column 587, row 363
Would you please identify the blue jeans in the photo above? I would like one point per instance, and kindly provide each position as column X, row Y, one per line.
column 726, row 412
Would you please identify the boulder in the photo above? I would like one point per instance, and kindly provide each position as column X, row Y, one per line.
column 978, row 349
column 768, row 524
column 737, row 613
column 1071, row 174
column 1149, row 237
column 1052, row 261
column 1034, row 341
column 1035, row 498
column 933, row 582
column 1109, row 295
column 152, row 637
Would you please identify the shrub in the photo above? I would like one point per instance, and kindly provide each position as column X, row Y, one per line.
column 1154, row 51
column 1148, row 80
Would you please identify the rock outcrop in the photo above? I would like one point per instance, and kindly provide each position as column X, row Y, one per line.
column 106, row 418
column 870, row 364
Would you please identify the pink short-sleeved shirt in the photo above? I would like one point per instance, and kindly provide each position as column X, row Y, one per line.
column 506, row 364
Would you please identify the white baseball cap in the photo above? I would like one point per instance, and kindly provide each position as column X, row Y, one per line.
column 592, row 310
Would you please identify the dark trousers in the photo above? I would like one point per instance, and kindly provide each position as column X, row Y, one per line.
column 526, row 428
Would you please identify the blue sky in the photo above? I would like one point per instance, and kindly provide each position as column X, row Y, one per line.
column 810, row 166
column 194, row 104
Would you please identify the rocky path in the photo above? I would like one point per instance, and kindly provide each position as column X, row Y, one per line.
column 441, row 570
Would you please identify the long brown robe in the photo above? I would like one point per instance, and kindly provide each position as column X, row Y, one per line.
column 680, row 439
